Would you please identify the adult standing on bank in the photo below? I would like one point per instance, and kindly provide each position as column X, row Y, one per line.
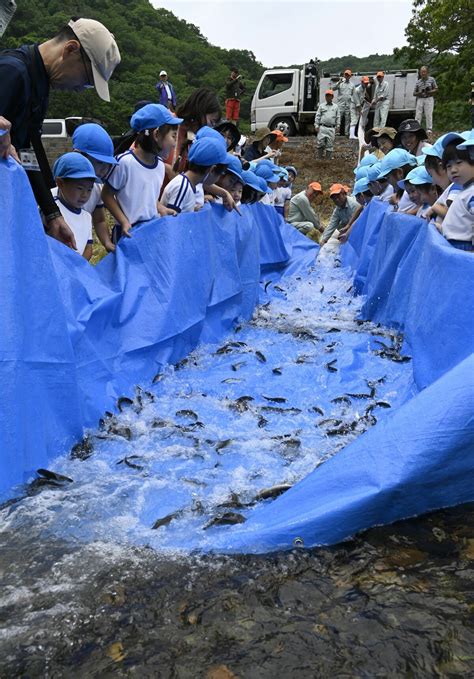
column 381, row 100
column 83, row 54
column 234, row 89
column 166, row 93
column 326, row 122
column 345, row 92
column 425, row 89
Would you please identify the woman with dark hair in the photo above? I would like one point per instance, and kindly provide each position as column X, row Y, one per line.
column 412, row 137
column 200, row 108
column 231, row 134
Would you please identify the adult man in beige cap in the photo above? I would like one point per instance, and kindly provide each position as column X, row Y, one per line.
column 345, row 92
column 83, row 54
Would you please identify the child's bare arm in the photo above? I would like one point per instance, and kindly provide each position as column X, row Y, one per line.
column 115, row 210
column 87, row 254
column 102, row 230
column 227, row 199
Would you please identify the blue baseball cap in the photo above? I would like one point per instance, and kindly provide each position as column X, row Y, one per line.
column 283, row 172
column 266, row 172
column 373, row 172
column 419, row 175
column 361, row 172
column 264, row 188
column 92, row 139
column 234, row 166
column 453, row 136
column 360, row 186
column 210, row 133
column 151, row 116
column 394, row 159
column 370, row 159
column 74, row 166
column 251, row 179
column 469, row 141
column 207, row 152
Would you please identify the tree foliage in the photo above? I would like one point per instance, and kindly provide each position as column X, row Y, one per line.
column 149, row 40
column 440, row 35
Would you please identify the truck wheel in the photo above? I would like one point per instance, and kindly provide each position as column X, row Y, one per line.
column 288, row 121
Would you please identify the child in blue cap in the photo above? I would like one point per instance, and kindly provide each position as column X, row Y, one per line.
column 132, row 190
column 206, row 163
column 395, row 166
column 458, row 160
column 232, row 180
column 75, row 178
column 93, row 142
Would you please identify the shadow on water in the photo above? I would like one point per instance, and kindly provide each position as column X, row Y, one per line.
column 397, row 601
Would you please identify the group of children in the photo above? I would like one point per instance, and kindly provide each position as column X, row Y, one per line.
column 137, row 185
column 399, row 167
column 434, row 182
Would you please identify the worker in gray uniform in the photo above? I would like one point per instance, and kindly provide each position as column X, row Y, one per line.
column 302, row 215
column 326, row 122
column 345, row 92
column 381, row 100
column 344, row 209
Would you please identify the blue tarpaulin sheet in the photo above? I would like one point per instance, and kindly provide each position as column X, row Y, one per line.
column 75, row 338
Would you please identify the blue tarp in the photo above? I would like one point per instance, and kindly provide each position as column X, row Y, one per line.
column 76, row 337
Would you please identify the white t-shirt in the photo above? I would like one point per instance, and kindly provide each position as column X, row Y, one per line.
column 80, row 223
column 179, row 194
column 267, row 199
column 386, row 194
column 405, row 204
column 281, row 195
column 95, row 199
column 459, row 221
column 422, row 210
column 199, row 195
column 137, row 186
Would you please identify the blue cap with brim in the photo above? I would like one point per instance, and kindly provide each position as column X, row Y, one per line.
column 251, row 179
column 373, row 172
column 266, row 173
column 92, row 139
column 419, row 175
column 152, row 116
column 360, row 186
column 209, row 133
column 207, row 152
column 368, row 160
column 453, row 136
column 394, row 159
column 234, row 166
column 264, row 188
column 361, row 172
column 74, row 166
column 283, row 174
column 468, row 143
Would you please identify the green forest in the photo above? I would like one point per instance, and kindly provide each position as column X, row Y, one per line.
column 154, row 39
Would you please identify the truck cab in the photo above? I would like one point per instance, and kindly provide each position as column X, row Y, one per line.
column 292, row 95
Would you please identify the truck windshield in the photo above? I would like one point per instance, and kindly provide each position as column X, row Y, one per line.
column 274, row 83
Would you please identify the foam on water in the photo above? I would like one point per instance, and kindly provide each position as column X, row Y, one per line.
column 214, row 457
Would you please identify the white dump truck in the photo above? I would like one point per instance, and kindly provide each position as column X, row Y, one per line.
column 292, row 95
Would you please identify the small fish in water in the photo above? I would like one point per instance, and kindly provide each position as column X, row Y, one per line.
column 331, row 367
column 158, row 377
column 291, row 444
column 373, row 383
column 266, row 285
column 194, row 482
column 261, row 357
column 305, row 335
column 158, row 423
column 241, row 403
column 303, row 359
column 361, row 395
column 277, row 371
column 181, row 364
column 232, row 380
column 227, row 519
column 331, row 421
column 132, row 465
column 377, row 404
column 317, row 409
column 166, row 520
column 297, row 309
column 237, row 366
column 187, row 413
column 82, row 450
column 220, row 445
column 119, row 430
column 262, row 422
column 334, row 330
column 242, row 399
column 193, row 426
column 277, row 409
column 349, row 288
column 273, row 492
column 341, row 399
column 234, row 502
column 275, row 399
column 333, row 300
column 124, row 401
column 321, row 290
column 278, row 289
column 342, row 429
column 53, row 476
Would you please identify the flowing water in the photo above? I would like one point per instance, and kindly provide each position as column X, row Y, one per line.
column 110, row 573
